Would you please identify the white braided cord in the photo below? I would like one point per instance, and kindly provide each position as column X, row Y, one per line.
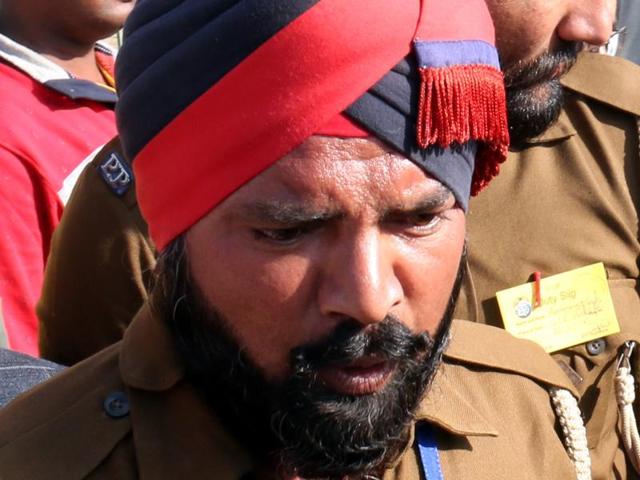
column 625, row 396
column 575, row 434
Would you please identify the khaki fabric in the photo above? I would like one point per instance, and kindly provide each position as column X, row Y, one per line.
column 99, row 267
column 569, row 199
column 489, row 405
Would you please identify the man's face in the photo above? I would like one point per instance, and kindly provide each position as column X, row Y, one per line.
column 525, row 29
column 538, row 40
column 313, row 306
column 340, row 230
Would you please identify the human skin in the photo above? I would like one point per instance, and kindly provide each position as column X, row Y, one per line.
column 527, row 28
column 64, row 31
column 339, row 229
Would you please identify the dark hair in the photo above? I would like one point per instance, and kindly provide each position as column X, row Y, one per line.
column 534, row 93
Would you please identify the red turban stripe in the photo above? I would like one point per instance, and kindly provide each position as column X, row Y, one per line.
column 271, row 102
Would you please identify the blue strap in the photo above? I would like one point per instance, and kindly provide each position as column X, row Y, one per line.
column 428, row 449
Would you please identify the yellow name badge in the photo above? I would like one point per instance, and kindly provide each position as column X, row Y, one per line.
column 575, row 307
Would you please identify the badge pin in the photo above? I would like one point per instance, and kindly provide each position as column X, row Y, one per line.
column 116, row 173
column 523, row 308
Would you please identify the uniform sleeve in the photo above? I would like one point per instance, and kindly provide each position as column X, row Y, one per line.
column 97, row 272
column 28, row 213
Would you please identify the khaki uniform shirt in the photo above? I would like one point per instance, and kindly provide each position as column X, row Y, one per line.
column 99, row 267
column 128, row 412
column 570, row 199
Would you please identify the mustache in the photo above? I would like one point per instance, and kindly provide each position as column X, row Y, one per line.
column 545, row 67
column 388, row 340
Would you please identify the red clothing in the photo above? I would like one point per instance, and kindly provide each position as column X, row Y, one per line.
column 44, row 136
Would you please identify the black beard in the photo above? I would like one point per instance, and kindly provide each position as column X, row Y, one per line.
column 299, row 425
column 534, row 93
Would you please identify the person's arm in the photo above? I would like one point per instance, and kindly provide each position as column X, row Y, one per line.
column 28, row 212
column 98, row 268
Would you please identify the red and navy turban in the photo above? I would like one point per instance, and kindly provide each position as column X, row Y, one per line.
column 212, row 92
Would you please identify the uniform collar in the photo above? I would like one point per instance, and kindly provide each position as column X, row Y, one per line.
column 609, row 80
column 474, row 344
column 48, row 73
column 446, row 408
column 148, row 358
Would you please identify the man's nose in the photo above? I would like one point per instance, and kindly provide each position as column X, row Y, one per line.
column 589, row 21
column 359, row 280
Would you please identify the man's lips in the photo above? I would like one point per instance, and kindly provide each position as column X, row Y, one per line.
column 361, row 377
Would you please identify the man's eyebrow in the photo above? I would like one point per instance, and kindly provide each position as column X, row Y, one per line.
column 430, row 201
column 287, row 213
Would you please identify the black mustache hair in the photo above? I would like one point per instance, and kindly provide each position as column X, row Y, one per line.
column 299, row 424
column 534, row 93
column 525, row 74
column 388, row 340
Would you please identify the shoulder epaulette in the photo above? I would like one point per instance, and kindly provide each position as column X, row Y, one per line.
column 610, row 80
column 114, row 170
column 492, row 347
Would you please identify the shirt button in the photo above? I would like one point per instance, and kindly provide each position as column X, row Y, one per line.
column 597, row 346
column 116, row 405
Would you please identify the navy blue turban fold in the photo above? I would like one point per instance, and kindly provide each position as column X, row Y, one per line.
column 389, row 111
column 213, row 92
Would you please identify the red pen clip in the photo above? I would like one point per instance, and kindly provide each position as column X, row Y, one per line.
column 537, row 295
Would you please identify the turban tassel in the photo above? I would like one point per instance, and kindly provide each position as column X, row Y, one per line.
column 462, row 103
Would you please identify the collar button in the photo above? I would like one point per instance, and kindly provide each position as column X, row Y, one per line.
column 596, row 347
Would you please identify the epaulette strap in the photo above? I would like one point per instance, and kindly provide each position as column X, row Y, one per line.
column 575, row 434
column 502, row 351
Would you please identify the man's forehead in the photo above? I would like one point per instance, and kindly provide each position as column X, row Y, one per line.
column 366, row 147
column 287, row 206
column 320, row 154
column 331, row 173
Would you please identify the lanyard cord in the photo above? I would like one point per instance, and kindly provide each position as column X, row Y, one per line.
column 428, row 448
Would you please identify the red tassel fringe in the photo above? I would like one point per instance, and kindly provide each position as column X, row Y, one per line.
column 463, row 103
